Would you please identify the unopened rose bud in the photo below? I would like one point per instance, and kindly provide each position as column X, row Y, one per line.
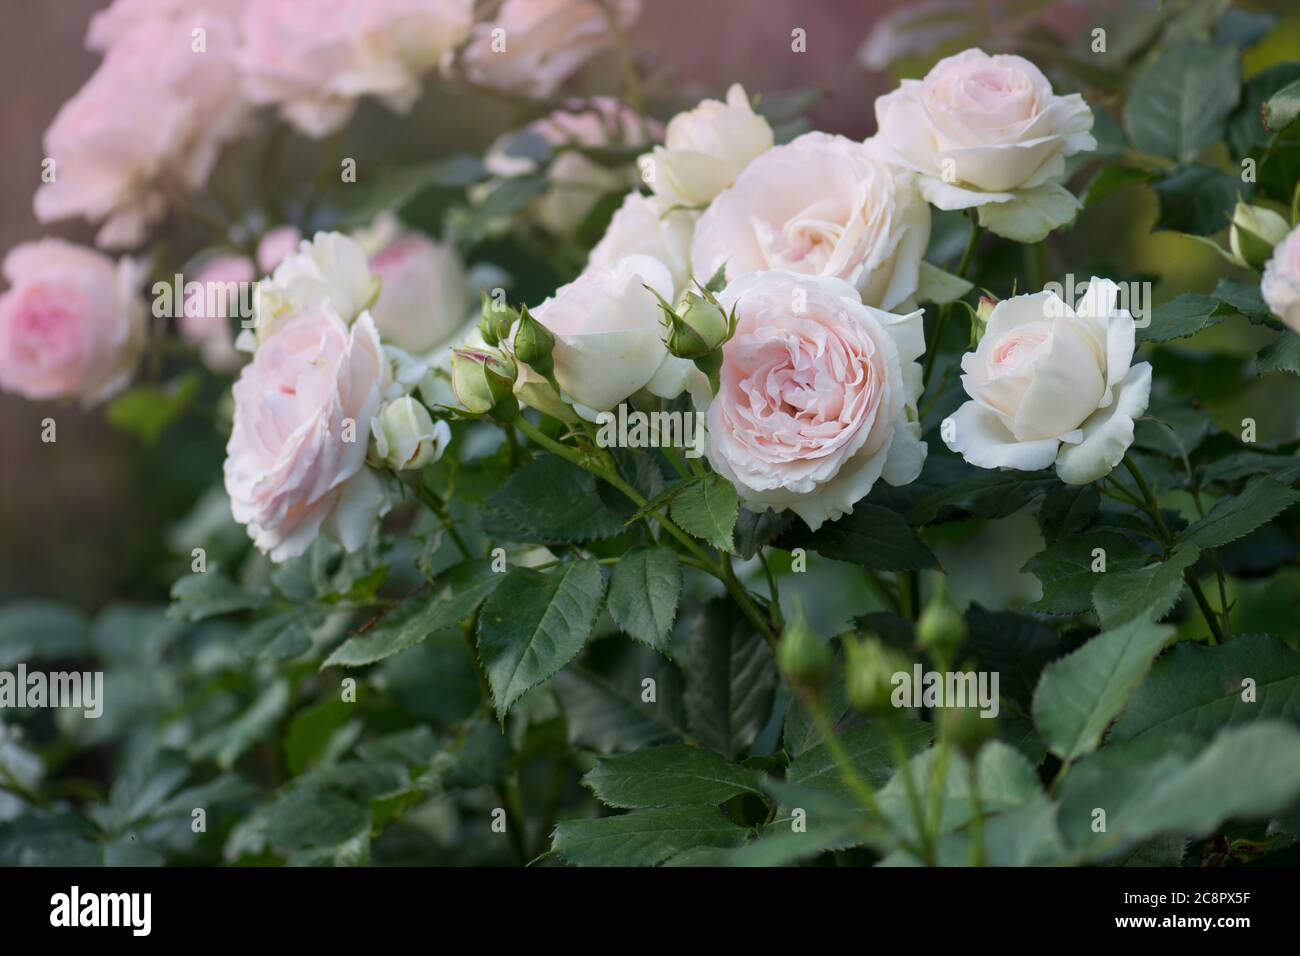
column 406, row 436
column 869, row 669
column 495, row 320
column 985, row 308
column 697, row 328
column 483, row 380
column 533, row 344
column 965, row 727
column 803, row 657
column 941, row 629
column 1255, row 231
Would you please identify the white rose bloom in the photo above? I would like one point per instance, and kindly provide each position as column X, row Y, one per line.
column 1281, row 283
column 988, row 132
column 820, row 206
column 1049, row 384
column 706, row 148
column 648, row 225
column 330, row 268
column 609, row 336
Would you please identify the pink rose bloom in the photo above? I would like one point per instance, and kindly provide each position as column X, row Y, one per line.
column 315, row 58
column 225, row 289
column 821, row 206
column 535, row 45
column 155, row 109
column 817, row 396
column 72, row 323
column 277, row 245
column 295, row 463
column 1280, row 285
column 424, row 292
column 111, row 24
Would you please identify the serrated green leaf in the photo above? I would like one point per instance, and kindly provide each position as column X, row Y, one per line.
column 1195, row 199
column 643, row 593
column 1079, row 695
column 1179, row 318
column 669, row 776
column 210, row 593
column 869, row 750
column 730, row 679
column 606, row 702
column 1262, row 500
column 1179, row 101
column 1198, row 690
column 553, row 502
column 1281, row 355
column 707, row 509
column 534, row 623
column 644, row 837
column 1148, row 592
column 1065, row 568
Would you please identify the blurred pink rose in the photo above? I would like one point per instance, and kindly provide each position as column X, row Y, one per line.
column 535, row 45
column 225, row 288
column 295, row 463
column 109, row 25
column 160, row 107
column 274, row 247
column 72, row 323
column 817, row 396
column 315, row 58
column 1281, row 282
column 424, row 294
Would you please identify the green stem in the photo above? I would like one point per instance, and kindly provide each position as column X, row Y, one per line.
column 936, row 341
column 977, row 855
column 903, row 765
column 778, row 619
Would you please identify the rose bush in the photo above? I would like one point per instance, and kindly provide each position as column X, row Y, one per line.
column 584, row 479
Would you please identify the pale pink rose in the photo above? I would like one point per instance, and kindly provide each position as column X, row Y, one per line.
column 817, row 396
column 224, row 289
column 821, row 206
column 276, row 246
column 424, row 292
column 109, row 25
column 72, row 323
column 156, row 110
column 535, row 45
column 315, row 58
column 649, row 226
column 295, row 463
column 577, row 183
column 1281, row 283
column 988, row 132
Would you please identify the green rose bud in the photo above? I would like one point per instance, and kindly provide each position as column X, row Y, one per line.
column 483, row 380
column 495, row 320
column 533, row 344
column 803, row 657
column 941, row 628
column 405, row 436
column 965, row 728
column 869, row 668
column 699, row 327
column 1255, row 231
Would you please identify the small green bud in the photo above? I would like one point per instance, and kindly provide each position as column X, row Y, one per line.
column 985, row 308
column 533, row 344
column 803, row 657
column 869, row 669
column 495, row 320
column 965, row 728
column 697, row 328
column 1255, row 231
column 941, row 629
column 483, row 380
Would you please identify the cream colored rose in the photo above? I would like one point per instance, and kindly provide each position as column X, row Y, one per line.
column 609, row 336
column 1281, row 283
column 988, row 132
column 1050, row 384
column 707, row 148
column 295, row 463
column 817, row 396
column 650, row 226
column 819, row 206
column 535, row 45
column 331, row 268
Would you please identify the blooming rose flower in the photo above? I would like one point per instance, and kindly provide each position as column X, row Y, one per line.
column 276, row 246
column 205, row 318
column 820, row 206
column 331, row 268
column 424, row 292
column 72, row 323
column 315, row 58
column 153, row 110
column 1052, row 384
column 535, row 45
column 706, row 148
column 648, row 225
column 987, row 131
column 295, row 463
column 817, row 396
column 109, row 25
column 608, row 335
column 577, row 183
column 1281, row 283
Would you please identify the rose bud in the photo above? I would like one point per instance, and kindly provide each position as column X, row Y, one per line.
column 533, row 344
column 495, row 321
column 940, row 629
column 483, row 380
column 406, row 436
column 1255, row 231
column 700, row 327
column 804, row 658
column 869, row 669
